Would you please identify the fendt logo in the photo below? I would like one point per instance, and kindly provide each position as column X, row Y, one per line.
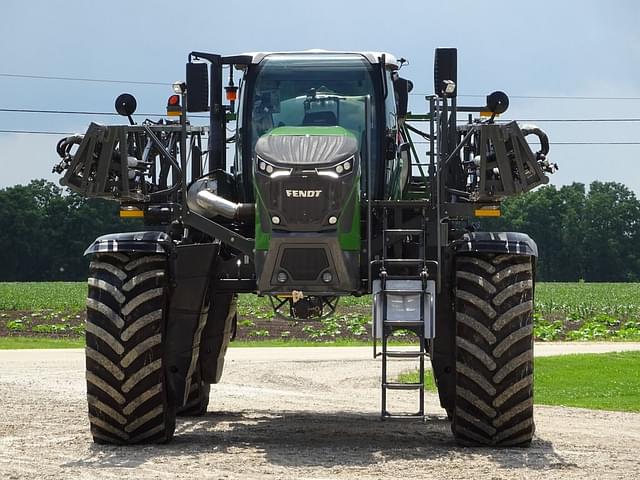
column 303, row 193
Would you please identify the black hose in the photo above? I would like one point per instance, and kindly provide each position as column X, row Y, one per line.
column 64, row 146
column 544, row 139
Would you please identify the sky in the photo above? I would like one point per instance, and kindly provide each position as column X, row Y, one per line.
column 545, row 48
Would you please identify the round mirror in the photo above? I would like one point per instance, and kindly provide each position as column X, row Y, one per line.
column 497, row 102
column 126, row 104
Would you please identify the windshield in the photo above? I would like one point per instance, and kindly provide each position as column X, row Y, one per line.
column 306, row 90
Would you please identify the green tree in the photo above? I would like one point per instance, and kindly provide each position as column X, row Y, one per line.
column 548, row 216
column 592, row 235
column 44, row 232
column 612, row 232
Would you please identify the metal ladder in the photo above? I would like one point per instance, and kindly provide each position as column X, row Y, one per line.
column 419, row 267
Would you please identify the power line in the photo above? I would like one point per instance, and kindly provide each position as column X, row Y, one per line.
column 62, row 112
column 594, row 143
column 571, row 120
column 563, row 97
column 543, row 97
column 82, row 112
column 45, row 132
column 80, row 79
column 164, row 84
column 86, row 112
column 36, row 132
column 574, row 143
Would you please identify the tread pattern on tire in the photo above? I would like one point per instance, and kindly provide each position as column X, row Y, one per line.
column 494, row 350
column 197, row 399
column 126, row 307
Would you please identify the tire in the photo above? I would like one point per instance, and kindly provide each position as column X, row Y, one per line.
column 126, row 388
column 494, row 350
column 198, row 399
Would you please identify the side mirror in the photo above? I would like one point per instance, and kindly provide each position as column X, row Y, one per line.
column 445, row 72
column 197, row 87
column 402, row 87
column 126, row 104
column 497, row 102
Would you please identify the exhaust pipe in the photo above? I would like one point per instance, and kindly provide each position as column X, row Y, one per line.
column 202, row 198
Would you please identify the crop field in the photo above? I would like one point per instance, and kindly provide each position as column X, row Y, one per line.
column 587, row 311
column 564, row 311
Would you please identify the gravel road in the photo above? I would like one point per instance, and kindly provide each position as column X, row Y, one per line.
column 294, row 413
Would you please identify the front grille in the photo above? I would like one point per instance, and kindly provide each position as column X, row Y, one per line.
column 304, row 264
column 326, row 196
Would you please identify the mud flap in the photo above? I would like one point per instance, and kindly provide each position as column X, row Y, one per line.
column 216, row 335
column 192, row 266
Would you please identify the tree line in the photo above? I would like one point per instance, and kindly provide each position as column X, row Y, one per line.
column 45, row 230
column 591, row 235
column 582, row 234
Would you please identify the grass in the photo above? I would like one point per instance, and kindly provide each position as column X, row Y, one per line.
column 17, row 342
column 608, row 381
column 604, row 382
column 20, row 343
column 269, row 342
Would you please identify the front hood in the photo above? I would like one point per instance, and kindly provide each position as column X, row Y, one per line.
column 301, row 146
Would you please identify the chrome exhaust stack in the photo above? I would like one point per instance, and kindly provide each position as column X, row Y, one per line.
column 203, row 198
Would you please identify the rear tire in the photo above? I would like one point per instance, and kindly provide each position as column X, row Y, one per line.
column 198, row 399
column 494, row 350
column 126, row 388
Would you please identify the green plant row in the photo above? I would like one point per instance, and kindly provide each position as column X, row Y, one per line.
column 564, row 311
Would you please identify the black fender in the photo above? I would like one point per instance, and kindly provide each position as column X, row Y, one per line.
column 513, row 243
column 217, row 334
column 189, row 306
column 144, row 242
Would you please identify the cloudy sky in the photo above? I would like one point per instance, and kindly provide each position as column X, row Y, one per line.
column 540, row 49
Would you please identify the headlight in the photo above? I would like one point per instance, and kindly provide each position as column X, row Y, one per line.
column 342, row 168
column 273, row 171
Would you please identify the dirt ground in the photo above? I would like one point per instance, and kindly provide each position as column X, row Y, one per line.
column 292, row 413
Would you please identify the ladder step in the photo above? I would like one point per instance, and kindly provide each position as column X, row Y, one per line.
column 403, row 386
column 403, row 261
column 396, row 354
column 403, row 231
column 399, row 203
column 403, row 323
column 403, row 416
column 404, row 277
column 403, row 292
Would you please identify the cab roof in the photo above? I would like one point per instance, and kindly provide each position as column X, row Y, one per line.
column 391, row 62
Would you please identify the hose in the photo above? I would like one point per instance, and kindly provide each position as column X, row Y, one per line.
column 542, row 137
column 64, row 146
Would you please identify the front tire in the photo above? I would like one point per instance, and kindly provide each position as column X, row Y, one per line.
column 494, row 350
column 126, row 388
